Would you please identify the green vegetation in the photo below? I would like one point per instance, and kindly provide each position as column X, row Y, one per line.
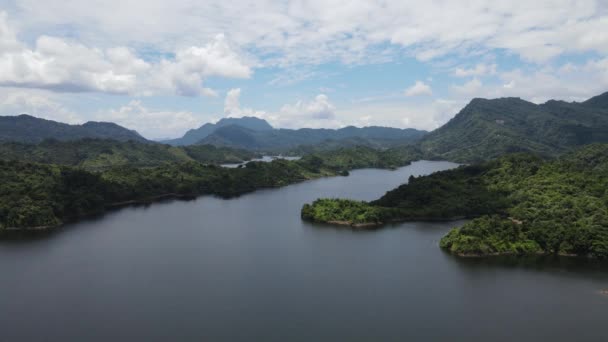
column 282, row 140
column 28, row 129
column 487, row 129
column 343, row 211
column 522, row 204
column 98, row 154
column 45, row 195
column 358, row 157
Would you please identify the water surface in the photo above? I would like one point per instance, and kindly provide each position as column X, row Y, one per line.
column 265, row 159
column 250, row 269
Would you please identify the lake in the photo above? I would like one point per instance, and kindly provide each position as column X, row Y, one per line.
column 265, row 159
column 249, row 269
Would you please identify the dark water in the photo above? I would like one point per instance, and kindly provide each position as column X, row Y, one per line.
column 249, row 269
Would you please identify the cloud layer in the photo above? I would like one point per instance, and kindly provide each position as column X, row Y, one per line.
column 316, row 113
column 62, row 65
column 350, row 31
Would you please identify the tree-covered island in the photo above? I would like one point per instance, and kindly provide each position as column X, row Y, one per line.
column 519, row 204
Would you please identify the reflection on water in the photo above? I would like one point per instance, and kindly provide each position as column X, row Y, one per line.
column 565, row 266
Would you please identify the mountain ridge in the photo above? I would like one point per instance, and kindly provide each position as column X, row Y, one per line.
column 488, row 128
column 26, row 128
column 282, row 138
column 195, row 135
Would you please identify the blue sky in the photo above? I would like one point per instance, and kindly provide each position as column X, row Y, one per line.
column 163, row 67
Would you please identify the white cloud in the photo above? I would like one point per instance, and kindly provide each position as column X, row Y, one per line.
column 152, row 124
column 232, row 106
column 569, row 82
column 73, row 46
column 66, row 66
column 426, row 115
column 36, row 103
column 418, row 89
column 469, row 89
column 316, row 113
column 479, row 70
column 315, row 31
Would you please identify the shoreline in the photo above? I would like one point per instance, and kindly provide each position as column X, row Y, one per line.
column 157, row 198
column 376, row 225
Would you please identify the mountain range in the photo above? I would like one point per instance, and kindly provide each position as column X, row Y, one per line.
column 482, row 130
column 237, row 136
column 257, row 134
column 28, row 129
column 194, row 136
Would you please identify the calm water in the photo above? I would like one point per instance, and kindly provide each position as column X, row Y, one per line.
column 250, row 269
column 266, row 159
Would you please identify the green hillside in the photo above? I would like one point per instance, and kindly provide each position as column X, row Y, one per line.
column 521, row 204
column 281, row 140
column 487, row 129
column 95, row 154
column 45, row 195
column 28, row 129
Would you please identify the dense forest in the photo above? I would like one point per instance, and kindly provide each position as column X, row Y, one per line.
column 46, row 195
column 99, row 154
column 522, row 204
column 486, row 129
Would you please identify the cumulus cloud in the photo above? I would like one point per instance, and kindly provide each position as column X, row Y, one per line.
column 232, row 106
column 66, row 66
column 418, row 89
column 292, row 32
column 152, row 124
column 318, row 111
column 469, row 89
column 36, row 103
column 315, row 113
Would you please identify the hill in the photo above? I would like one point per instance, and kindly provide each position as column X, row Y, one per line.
column 522, row 204
column 43, row 196
column 285, row 139
column 193, row 136
column 487, row 129
column 28, row 129
column 97, row 154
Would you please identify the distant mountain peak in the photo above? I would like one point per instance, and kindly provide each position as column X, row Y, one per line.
column 193, row 136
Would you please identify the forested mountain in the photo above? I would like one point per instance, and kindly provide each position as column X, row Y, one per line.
column 29, row 129
column 523, row 204
column 45, row 195
column 486, row 129
column 97, row 154
column 482, row 130
column 285, row 139
column 194, row 136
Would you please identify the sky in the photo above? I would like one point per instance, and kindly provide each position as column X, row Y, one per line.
column 163, row 67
